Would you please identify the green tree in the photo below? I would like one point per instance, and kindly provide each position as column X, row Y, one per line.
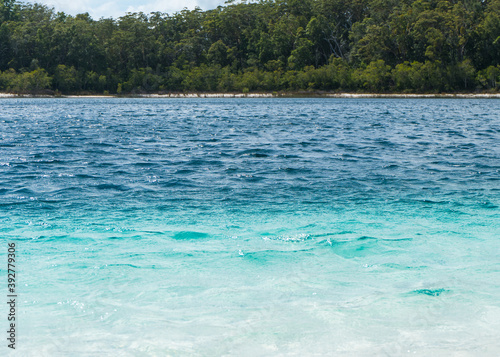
column 218, row 53
column 8, row 10
column 301, row 55
column 66, row 78
column 375, row 77
column 31, row 82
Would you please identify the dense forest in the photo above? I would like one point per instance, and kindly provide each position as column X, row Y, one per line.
column 421, row 46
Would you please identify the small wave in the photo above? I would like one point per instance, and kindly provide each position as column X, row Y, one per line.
column 363, row 238
column 201, row 162
column 110, row 186
column 269, row 256
column 293, row 170
column 402, row 267
column 186, row 235
column 105, row 145
column 454, row 133
column 124, row 265
column 145, row 164
column 257, row 153
column 488, row 205
column 288, row 156
column 332, row 233
column 433, row 202
column 430, row 292
column 51, row 162
column 385, row 143
column 289, row 238
column 391, row 167
column 24, row 190
column 85, row 176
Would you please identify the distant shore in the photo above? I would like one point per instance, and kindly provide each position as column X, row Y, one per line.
column 262, row 95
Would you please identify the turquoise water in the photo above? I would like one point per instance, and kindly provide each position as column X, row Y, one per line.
column 252, row 227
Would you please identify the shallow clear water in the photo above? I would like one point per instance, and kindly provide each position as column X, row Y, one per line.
column 252, row 227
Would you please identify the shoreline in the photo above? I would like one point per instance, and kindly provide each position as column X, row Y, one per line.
column 266, row 95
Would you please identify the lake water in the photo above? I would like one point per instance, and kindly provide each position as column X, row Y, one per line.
column 252, row 227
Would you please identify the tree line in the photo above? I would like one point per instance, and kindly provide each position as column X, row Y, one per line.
column 422, row 46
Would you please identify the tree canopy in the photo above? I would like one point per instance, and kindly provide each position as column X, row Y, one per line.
column 266, row 45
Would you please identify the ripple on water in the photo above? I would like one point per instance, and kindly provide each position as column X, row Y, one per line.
column 157, row 223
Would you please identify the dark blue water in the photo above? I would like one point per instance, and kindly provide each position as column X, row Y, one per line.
column 254, row 226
